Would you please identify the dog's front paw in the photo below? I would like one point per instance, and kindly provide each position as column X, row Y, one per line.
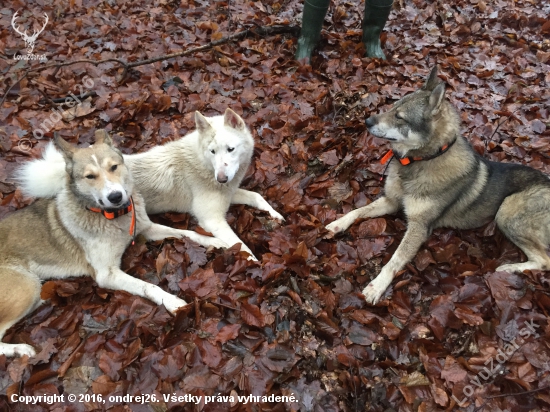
column 511, row 268
column 520, row 267
column 374, row 290
column 173, row 303
column 217, row 243
column 206, row 241
column 276, row 215
column 22, row 349
column 337, row 226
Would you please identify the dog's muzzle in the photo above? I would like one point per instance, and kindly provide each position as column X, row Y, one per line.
column 370, row 121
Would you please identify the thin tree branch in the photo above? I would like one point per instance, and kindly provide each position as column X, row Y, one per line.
column 503, row 395
column 48, row 99
column 259, row 31
column 263, row 31
column 496, row 130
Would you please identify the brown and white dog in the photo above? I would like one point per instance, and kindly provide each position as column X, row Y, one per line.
column 82, row 231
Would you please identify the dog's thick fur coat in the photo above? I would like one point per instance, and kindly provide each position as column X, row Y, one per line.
column 453, row 188
column 199, row 173
column 62, row 237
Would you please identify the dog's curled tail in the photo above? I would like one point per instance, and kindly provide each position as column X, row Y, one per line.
column 42, row 177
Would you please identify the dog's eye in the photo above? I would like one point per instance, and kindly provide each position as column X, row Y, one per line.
column 213, row 151
column 90, row 177
column 398, row 115
column 113, row 168
column 230, row 149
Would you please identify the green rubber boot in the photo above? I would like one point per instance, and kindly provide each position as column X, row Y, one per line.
column 376, row 15
column 312, row 22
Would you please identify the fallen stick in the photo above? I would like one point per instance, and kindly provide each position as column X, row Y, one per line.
column 258, row 31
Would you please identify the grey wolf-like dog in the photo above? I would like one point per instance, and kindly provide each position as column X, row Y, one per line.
column 438, row 180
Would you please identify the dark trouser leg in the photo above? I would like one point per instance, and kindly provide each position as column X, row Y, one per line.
column 376, row 14
column 312, row 22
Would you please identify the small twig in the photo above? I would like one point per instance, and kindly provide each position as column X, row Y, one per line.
column 350, row 370
column 336, row 112
column 356, row 401
column 503, row 395
column 83, row 97
column 225, row 306
column 496, row 129
column 197, row 314
column 518, row 393
column 46, row 85
column 528, row 44
column 485, row 403
column 66, row 365
column 341, row 165
column 505, row 119
column 231, row 23
column 48, row 99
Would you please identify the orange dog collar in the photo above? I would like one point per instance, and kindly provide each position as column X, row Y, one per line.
column 408, row 160
column 114, row 213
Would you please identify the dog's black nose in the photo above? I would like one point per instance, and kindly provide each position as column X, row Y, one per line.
column 115, row 197
column 370, row 121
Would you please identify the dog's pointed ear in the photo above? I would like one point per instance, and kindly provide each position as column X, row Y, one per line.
column 203, row 125
column 432, row 81
column 66, row 149
column 232, row 119
column 101, row 136
column 436, row 99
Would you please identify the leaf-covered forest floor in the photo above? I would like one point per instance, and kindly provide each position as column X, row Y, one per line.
column 294, row 323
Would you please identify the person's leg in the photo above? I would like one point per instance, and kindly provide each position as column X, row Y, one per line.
column 376, row 14
column 312, row 22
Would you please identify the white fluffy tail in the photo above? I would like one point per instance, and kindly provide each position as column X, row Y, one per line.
column 43, row 177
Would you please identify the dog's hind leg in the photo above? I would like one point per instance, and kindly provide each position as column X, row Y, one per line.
column 246, row 197
column 21, row 296
column 525, row 219
column 160, row 232
column 380, row 207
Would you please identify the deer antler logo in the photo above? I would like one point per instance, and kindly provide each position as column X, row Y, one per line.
column 29, row 40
